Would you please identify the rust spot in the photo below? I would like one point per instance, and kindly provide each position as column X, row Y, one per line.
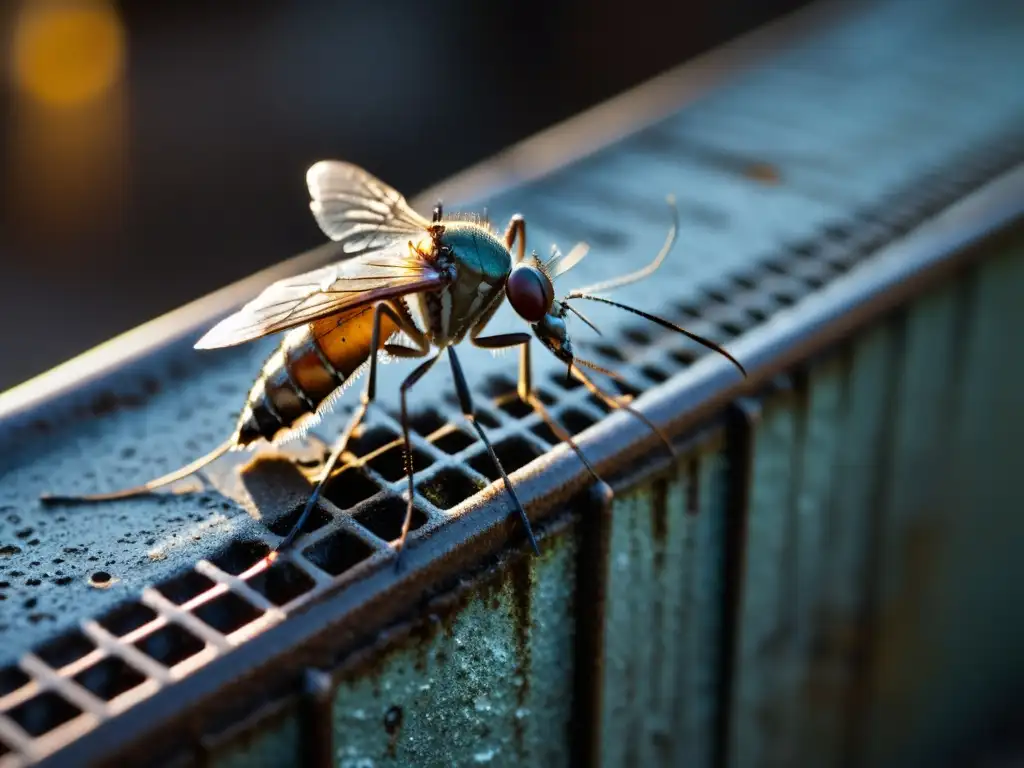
column 107, row 402
column 766, row 173
column 393, row 725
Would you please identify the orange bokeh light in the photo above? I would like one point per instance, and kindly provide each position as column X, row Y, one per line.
column 65, row 54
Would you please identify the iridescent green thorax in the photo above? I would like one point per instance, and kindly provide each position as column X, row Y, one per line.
column 482, row 264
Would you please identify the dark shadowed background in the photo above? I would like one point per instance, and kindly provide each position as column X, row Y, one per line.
column 156, row 150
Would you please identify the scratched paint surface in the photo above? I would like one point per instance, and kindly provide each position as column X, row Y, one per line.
column 489, row 683
column 662, row 628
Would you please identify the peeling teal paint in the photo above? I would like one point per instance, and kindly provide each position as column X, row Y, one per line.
column 491, row 684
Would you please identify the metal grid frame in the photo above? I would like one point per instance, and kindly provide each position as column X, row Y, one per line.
column 81, row 680
column 180, row 626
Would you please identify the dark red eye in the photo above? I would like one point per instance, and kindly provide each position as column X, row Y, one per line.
column 529, row 292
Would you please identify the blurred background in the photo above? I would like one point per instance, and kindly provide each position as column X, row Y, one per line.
column 154, row 151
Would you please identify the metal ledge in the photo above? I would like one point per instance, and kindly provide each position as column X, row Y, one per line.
column 853, row 285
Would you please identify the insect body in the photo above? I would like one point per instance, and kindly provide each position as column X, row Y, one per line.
column 434, row 282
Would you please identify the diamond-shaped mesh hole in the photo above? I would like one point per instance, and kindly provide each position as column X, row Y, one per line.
column 570, row 383
column 454, row 441
column 497, row 386
column 654, row 374
column 65, row 649
column 110, row 678
column 350, row 487
column 391, row 463
column 227, row 612
column 637, row 336
column 384, row 518
column 572, row 420
column 805, row 250
column 732, row 327
column 689, row 311
column 544, row 396
column 785, row 297
column 610, row 352
column 183, row 588
column 283, row 524
column 282, row 583
column 515, row 407
column 240, row 555
column 11, row 679
column 448, row 488
column 486, row 419
column 4, row 749
column 369, row 440
column 427, row 422
column 42, row 713
column 513, row 453
column 338, row 553
column 170, row 645
column 126, row 618
column 744, row 280
column 685, row 356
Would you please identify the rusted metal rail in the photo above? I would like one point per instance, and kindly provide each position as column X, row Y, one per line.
column 853, row 235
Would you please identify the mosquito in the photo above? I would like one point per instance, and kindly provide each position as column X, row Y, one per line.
column 415, row 289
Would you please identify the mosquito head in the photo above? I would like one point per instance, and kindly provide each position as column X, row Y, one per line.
column 529, row 291
column 552, row 332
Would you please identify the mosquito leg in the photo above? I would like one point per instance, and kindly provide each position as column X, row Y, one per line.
column 529, row 396
column 466, row 403
column 515, row 234
column 613, row 403
column 339, row 447
column 408, row 384
column 342, row 442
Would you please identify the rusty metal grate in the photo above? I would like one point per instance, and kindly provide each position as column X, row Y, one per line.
column 193, row 613
column 181, row 624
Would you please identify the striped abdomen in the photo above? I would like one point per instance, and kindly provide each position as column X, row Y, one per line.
column 311, row 363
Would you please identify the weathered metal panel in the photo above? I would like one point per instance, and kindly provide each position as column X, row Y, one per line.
column 883, row 510
column 487, row 679
column 950, row 611
column 662, row 633
column 792, row 194
column 817, row 466
column 269, row 741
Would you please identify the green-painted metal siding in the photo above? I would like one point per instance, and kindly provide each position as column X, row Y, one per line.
column 663, row 623
column 487, row 683
column 882, row 590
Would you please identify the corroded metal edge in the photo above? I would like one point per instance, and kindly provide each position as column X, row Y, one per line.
column 320, row 634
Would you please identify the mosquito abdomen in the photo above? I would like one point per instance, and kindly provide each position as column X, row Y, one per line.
column 310, row 365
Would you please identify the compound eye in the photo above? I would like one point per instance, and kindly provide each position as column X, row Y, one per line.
column 529, row 292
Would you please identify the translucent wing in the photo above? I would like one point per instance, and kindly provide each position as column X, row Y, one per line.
column 355, row 282
column 358, row 210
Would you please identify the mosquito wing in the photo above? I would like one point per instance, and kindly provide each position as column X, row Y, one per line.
column 358, row 210
column 385, row 274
